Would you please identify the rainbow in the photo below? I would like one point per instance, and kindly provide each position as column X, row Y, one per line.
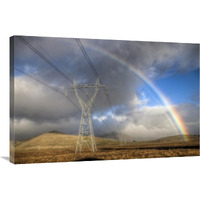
column 174, row 115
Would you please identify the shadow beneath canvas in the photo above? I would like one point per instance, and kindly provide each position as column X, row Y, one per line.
column 6, row 158
column 89, row 159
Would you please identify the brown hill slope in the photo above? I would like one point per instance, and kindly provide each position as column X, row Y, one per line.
column 57, row 141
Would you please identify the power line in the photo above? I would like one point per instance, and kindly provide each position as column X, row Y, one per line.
column 47, row 54
column 87, row 58
column 56, row 68
column 44, row 58
column 43, row 83
column 48, row 86
column 96, row 73
column 47, row 61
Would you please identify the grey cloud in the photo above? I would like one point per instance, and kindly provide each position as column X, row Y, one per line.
column 154, row 122
column 154, row 58
column 189, row 112
column 37, row 106
column 37, row 102
column 25, row 128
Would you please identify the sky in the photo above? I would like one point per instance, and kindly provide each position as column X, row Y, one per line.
column 140, row 76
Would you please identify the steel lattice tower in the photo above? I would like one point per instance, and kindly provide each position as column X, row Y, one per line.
column 122, row 139
column 86, row 133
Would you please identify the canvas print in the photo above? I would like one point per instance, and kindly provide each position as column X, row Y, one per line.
column 75, row 99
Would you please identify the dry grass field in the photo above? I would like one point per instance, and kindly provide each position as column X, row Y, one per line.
column 57, row 147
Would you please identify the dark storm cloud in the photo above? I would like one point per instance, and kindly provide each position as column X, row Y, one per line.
column 154, row 58
column 38, row 109
column 72, row 62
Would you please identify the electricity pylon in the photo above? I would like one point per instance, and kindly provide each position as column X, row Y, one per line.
column 86, row 133
column 121, row 139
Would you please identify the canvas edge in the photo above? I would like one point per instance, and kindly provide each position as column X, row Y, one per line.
column 12, row 136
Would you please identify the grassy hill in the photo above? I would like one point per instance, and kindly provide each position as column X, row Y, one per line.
column 58, row 141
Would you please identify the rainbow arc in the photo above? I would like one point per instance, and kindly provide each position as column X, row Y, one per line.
column 174, row 115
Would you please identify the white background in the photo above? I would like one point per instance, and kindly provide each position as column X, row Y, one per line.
column 167, row 178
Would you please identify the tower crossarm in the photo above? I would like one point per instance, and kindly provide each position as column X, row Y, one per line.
column 85, row 86
column 82, row 86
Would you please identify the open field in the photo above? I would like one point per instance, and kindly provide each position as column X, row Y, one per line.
column 60, row 148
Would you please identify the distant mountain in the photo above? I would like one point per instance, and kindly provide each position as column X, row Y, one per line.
column 54, row 131
column 116, row 136
column 110, row 136
column 177, row 138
